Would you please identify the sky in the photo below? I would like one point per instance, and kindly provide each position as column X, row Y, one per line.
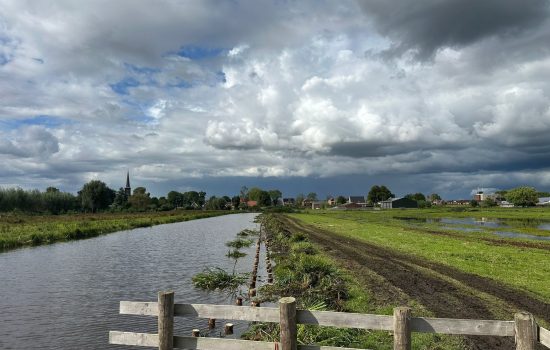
column 332, row 97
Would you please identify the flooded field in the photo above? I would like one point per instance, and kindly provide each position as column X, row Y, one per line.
column 508, row 228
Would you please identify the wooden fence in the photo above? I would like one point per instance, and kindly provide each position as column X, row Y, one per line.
column 526, row 332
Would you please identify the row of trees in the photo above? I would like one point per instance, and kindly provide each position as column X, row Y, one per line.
column 93, row 197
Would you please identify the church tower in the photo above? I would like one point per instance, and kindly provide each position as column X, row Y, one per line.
column 128, row 189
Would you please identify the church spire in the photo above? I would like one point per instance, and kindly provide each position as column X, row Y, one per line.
column 128, row 189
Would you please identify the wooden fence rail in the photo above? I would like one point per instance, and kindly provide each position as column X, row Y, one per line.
column 526, row 332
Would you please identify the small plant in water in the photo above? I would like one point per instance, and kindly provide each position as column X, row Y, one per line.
column 217, row 278
column 247, row 232
column 239, row 243
column 235, row 254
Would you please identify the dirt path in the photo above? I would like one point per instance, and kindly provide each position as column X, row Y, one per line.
column 417, row 279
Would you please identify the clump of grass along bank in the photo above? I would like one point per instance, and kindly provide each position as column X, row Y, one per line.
column 18, row 230
column 216, row 278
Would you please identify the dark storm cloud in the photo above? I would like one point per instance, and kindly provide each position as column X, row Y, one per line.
column 427, row 25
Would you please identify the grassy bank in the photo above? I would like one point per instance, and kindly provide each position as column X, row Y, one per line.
column 523, row 265
column 315, row 280
column 17, row 230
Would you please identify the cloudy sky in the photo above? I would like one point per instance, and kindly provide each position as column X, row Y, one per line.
column 328, row 96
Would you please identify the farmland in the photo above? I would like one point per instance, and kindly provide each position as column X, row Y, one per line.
column 437, row 270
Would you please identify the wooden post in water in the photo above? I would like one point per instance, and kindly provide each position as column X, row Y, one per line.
column 228, row 329
column 166, row 320
column 211, row 323
column 239, row 301
column 526, row 331
column 402, row 328
column 196, row 333
column 287, row 315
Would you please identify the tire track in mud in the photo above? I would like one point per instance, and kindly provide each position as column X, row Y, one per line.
column 439, row 296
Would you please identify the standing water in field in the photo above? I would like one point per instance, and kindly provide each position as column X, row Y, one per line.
column 66, row 295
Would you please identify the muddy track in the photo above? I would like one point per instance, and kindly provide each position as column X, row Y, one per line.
column 412, row 276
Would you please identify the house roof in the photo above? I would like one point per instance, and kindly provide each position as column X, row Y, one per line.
column 544, row 200
column 356, row 199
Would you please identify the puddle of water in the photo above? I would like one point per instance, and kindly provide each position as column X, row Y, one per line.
column 520, row 235
column 478, row 225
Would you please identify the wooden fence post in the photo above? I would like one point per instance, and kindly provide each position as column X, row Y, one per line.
column 287, row 315
column 526, row 331
column 401, row 328
column 166, row 320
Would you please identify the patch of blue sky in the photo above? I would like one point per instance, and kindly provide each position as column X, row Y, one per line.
column 121, row 87
column 43, row 120
column 4, row 59
column 195, row 52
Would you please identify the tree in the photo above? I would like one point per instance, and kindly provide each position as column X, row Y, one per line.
column 121, row 199
column 52, row 190
column 378, row 194
column 341, row 200
column 299, row 199
column 254, row 193
column 175, row 199
column 473, row 203
column 275, row 195
column 488, row 203
column 434, row 197
column 416, row 197
column 264, row 199
column 522, row 196
column 312, row 196
column 140, row 199
column 95, row 195
column 244, row 193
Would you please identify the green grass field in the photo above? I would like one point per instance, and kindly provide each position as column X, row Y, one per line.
column 526, row 268
column 17, row 230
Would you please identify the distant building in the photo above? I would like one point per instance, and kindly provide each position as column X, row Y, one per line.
column 128, row 189
column 505, row 204
column 331, row 201
column 544, row 201
column 288, row 202
column 357, row 199
column 458, row 202
column 317, row 204
column 395, row 203
column 479, row 196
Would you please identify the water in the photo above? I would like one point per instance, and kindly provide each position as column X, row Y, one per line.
column 66, row 295
column 481, row 224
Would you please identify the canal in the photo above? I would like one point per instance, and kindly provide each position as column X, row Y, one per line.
column 66, row 295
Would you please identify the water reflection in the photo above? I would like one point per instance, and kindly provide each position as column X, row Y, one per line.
column 478, row 225
column 66, row 295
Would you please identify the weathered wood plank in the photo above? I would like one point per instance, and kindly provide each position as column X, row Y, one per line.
column 526, row 331
column 220, row 343
column 228, row 312
column 139, row 308
column 287, row 322
column 544, row 337
column 166, row 320
column 460, row 326
column 318, row 347
column 151, row 340
column 327, row 318
column 345, row 320
column 135, row 339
